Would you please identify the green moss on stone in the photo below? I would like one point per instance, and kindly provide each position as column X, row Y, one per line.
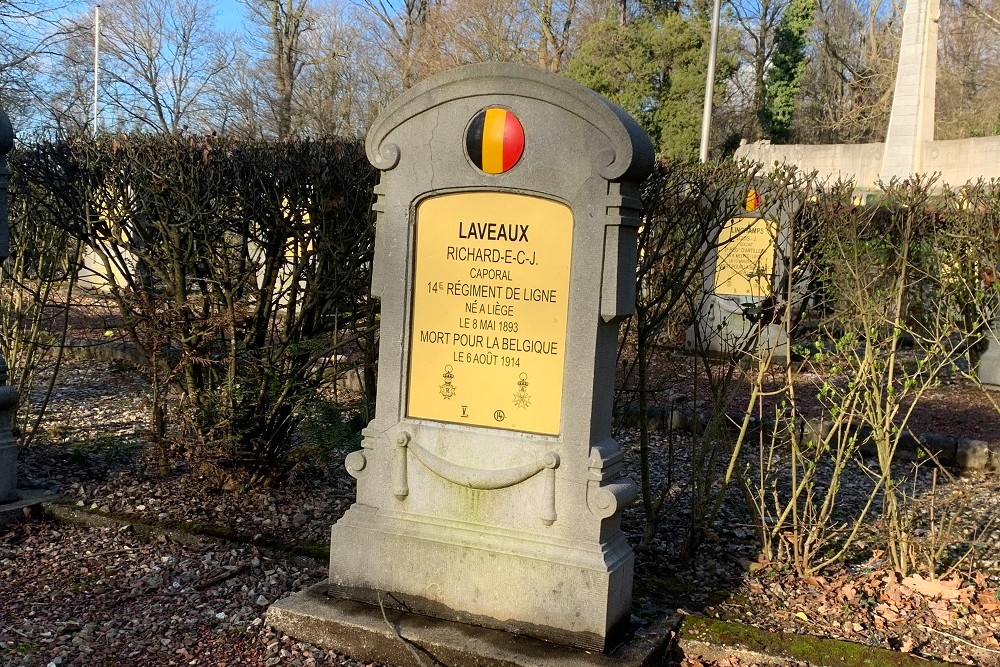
column 814, row 650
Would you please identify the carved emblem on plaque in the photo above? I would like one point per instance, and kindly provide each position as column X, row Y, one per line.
column 448, row 389
column 521, row 398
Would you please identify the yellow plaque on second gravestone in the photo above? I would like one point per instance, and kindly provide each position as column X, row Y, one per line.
column 745, row 264
column 490, row 303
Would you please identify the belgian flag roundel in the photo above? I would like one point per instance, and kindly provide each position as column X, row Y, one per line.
column 494, row 140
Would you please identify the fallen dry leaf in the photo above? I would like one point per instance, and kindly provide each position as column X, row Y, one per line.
column 988, row 601
column 848, row 593
column 886, row 612
column 944, row 589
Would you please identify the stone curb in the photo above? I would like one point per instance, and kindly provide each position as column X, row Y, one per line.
column 713, row 639
column 963, row 454
column 64, row 512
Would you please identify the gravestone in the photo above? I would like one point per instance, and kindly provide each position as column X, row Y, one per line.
column 741, row 302
column 989, row 364
column 489, row 488
column 8, row 395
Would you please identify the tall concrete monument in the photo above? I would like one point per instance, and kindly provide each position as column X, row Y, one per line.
column 910, row 147
column 911, row 123
column 8, row 395
column 490, row 489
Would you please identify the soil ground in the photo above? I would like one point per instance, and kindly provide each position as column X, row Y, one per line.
column 81, row 595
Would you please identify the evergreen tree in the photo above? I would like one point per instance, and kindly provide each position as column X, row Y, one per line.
column 653, row 67
column 781, row 83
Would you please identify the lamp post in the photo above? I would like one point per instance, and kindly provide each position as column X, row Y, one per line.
column 97, row 60
column 706, row 116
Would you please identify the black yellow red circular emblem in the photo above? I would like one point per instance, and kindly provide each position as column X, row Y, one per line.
column 494, row 140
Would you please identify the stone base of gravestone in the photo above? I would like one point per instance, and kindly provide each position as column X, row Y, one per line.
column 371, row 553
column 386, row 634
column 989, row 363
column 723, row 328
column 8, row 446
column 28, row 505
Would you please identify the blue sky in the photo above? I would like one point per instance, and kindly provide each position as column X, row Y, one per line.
column 230, row 14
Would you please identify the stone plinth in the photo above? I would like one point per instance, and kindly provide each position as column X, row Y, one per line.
column 399, row 638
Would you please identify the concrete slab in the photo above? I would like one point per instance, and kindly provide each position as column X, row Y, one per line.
column 28, row 503
column 394, row 637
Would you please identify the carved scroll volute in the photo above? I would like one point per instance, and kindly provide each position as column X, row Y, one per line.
column 357, row 464
column 608, row 493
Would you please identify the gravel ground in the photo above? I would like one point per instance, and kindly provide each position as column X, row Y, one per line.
column 99, row 596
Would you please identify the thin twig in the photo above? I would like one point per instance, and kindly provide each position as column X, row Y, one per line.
column 219, row 578
column 959, row 639
column 406, row 642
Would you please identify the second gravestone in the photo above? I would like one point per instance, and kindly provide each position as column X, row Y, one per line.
column 740, row 308
column 490, row 489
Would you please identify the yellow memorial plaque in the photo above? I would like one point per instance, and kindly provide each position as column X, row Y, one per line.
column 490, row 301
column 745, row 262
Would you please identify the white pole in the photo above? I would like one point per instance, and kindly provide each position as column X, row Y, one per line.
column 97, row 58
column 706, row 116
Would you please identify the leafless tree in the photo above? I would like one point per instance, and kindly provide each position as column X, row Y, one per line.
column 968, row 83
column 490, row 30
column 757, row 22
column 243, row 98
column 162, row 59
column 401, row 29
column 281, row 25
column 847, row 86
column 986, row 11
column 31, row 31
column 554, row 22
column 333, row 98
column 70, row 93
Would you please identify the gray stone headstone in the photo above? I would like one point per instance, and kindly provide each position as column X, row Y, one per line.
column 989, row 364
column 490, row 489
column 744, row 291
